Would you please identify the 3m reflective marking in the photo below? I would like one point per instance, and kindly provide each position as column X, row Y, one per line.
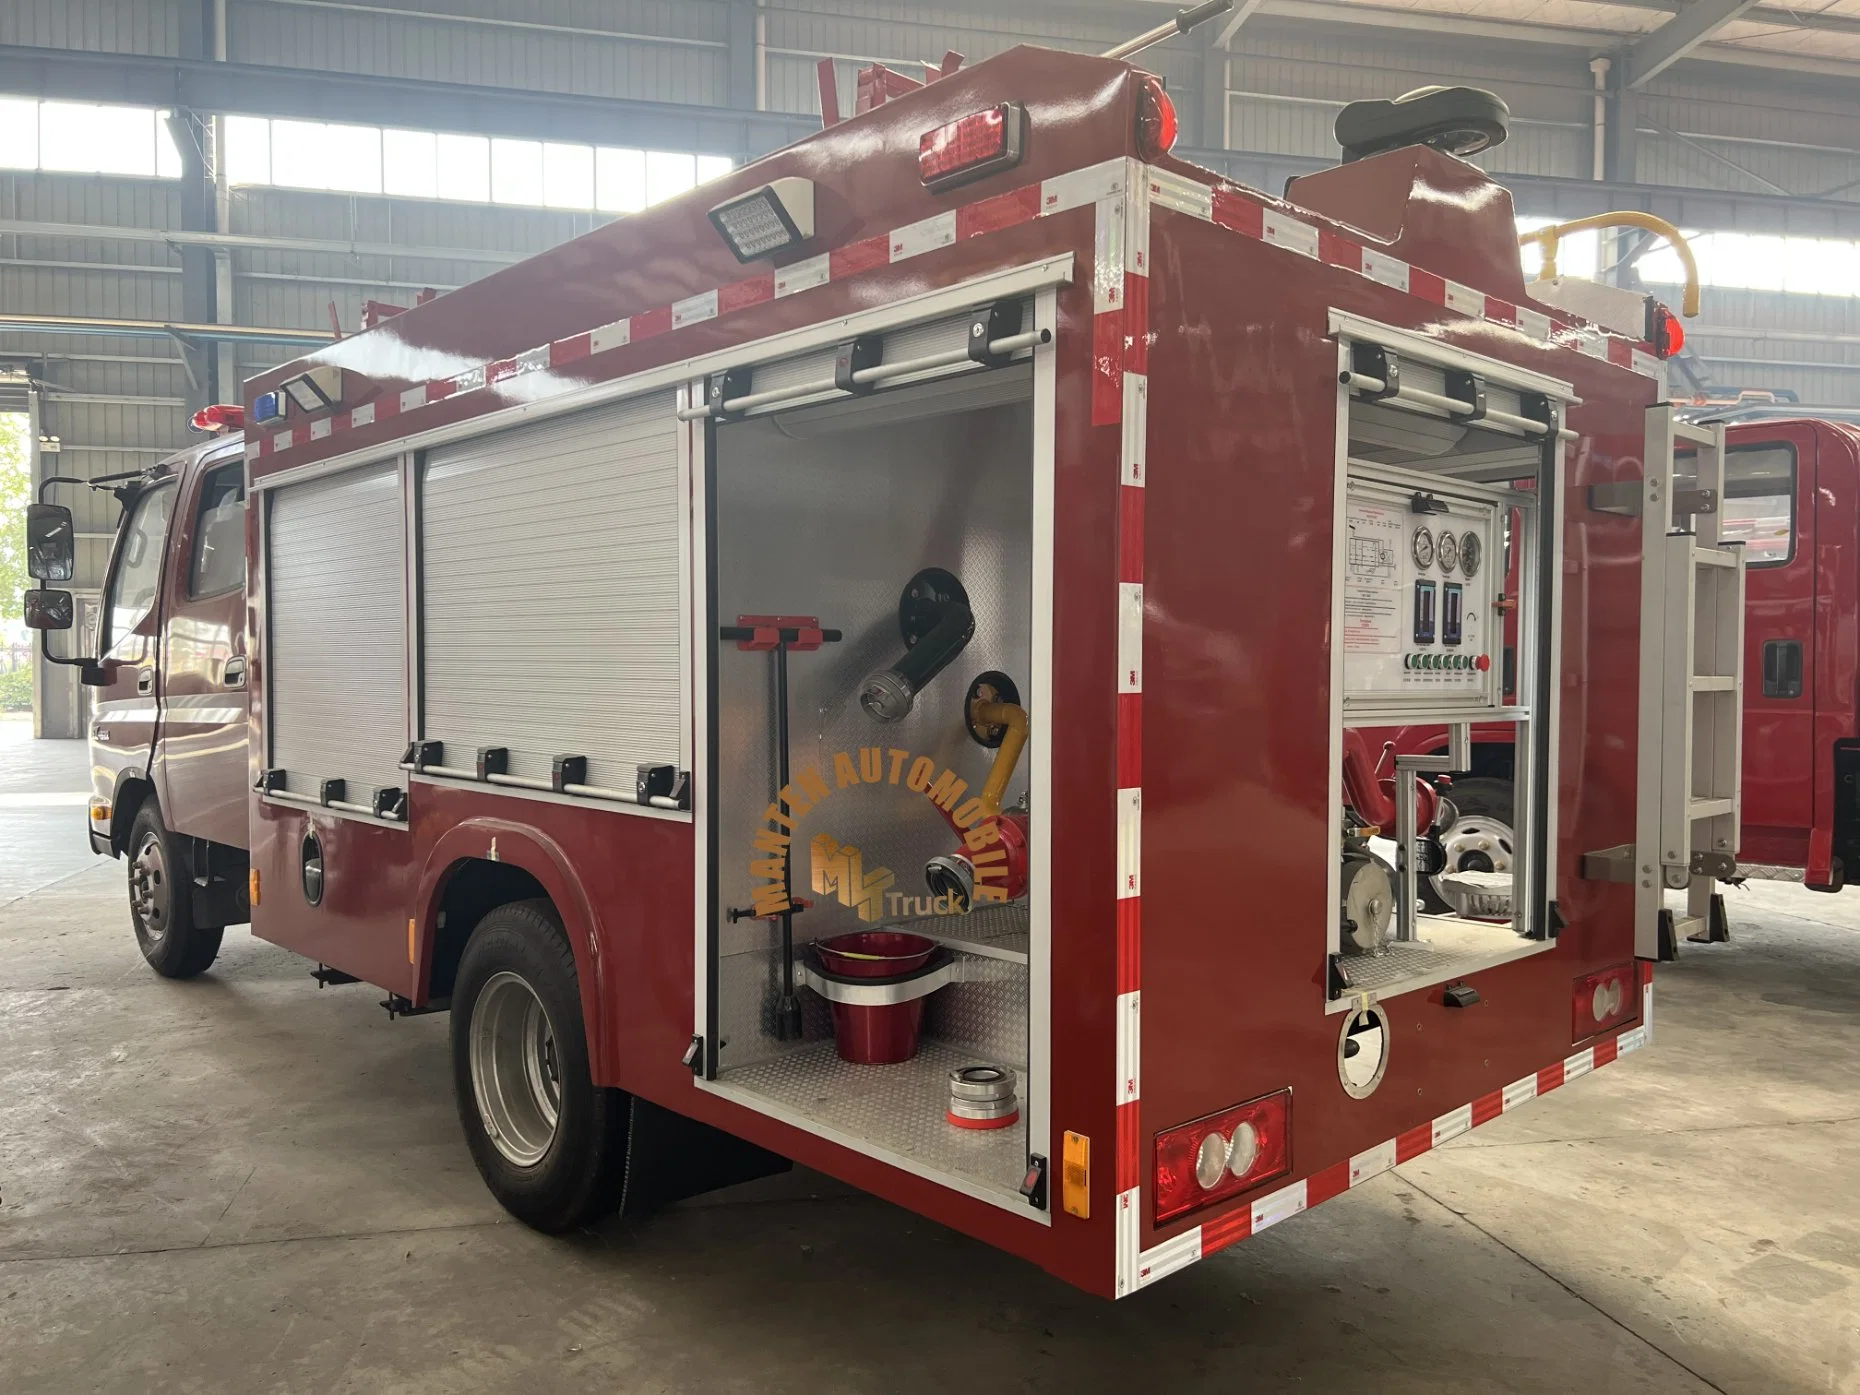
column 319, row 428
column 1282, row 230
column 413, row 398
column 1136, row 425
column 1452, row 1124
column 1278, row 1206
column 1129, row 637
column 1093, row 184
column 1465, row 300
column 1372, row 1162
column 1646, row 1010
column 282, row 441
column 694, row 309
column 363, row 415
column 1519, row 1091
column 533, row 360
column 1137, row 223
column 926, row 235
column 1533, row 325
column 610, row 336
column 1107, row 262
column 1388, row 270
column 1183, row 195
column 1129, row 1046
column 1129, row 843
column 802, row 275
column 1237, row 1224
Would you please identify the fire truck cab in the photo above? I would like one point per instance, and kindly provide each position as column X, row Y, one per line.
column 168, row 731
column 808, row 670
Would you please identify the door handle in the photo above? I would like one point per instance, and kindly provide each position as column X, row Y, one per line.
column 145, row 682
column 234, row 673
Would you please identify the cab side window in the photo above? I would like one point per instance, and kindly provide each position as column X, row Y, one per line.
column 138, row 563
column 218, row 563
column 1759, row 502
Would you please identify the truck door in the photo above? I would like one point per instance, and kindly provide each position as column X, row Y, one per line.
column 123, row 728
column 1769, row 482
column 200, row 756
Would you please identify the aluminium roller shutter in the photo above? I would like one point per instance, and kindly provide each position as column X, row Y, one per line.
column 337, row 612
column 551, row 580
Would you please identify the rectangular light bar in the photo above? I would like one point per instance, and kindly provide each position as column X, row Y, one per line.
column 768, row 220
column 972, row 146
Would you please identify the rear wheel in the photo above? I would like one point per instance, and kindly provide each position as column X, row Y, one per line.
column 1478, row 840
column 161, row 900
column 548, row 1142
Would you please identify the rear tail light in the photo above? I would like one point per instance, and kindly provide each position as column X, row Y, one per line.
column 1222, row 1155
column 972, row 146
column 1157, row 122
column 1602, row 1000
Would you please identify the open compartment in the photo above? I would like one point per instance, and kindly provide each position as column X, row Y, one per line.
column 874, row 689
column 1445, row 615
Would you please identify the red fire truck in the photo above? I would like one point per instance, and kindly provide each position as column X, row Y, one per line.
column 810, row 671
column 1791, row 487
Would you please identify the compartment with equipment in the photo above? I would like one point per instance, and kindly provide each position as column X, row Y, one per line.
column 1439, row 448
column 874, row 689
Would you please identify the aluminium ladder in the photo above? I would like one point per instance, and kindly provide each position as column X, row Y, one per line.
column 1691, row 688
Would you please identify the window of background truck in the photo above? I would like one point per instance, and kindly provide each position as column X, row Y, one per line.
column 219, row 534
column 1759, row 505
column 138, row 565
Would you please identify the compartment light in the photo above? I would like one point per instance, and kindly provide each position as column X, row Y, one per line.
column 768, row 220
column 972, row 146
column 315, row 391
column 1222, row 1155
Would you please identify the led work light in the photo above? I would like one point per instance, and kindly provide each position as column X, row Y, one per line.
column 764, row 221
column 315, row 391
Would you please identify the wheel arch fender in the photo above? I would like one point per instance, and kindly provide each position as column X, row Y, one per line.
column 521, row 846
column 133, row 789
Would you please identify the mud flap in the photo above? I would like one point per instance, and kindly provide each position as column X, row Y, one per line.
column 670, row 1157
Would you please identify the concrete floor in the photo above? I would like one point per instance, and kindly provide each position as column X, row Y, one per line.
column 243, row 1184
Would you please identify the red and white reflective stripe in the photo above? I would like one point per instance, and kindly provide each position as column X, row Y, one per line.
column 1241, row 213
column 1121, row 374
column 1102, row 185
column 1180, row 1251
column 1092, row 185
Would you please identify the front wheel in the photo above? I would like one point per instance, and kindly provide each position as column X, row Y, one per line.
column 161, row 902
column 547, row 1141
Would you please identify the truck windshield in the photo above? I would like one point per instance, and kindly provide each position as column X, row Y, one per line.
column 138, row 568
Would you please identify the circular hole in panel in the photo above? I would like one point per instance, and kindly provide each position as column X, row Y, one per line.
column 1363, row 1052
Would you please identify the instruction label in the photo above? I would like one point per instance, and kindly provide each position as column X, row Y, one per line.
column 1372, row 590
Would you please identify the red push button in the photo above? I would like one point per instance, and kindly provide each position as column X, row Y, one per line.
column 1483, row 662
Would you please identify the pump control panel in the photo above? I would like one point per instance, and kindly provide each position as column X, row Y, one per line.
column 1419, row 615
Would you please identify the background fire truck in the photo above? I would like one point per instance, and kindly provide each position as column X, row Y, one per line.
column 805, row 677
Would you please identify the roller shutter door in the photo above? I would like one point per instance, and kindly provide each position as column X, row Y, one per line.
column 551, row 581
column 337, row 607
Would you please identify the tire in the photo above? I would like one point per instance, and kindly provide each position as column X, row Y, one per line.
column 1484, row 806
column 549, row 1144
column 161, row 900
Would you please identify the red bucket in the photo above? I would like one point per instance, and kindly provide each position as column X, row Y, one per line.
column 876, row 1036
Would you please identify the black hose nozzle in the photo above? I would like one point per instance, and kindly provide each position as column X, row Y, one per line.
column 937, row 624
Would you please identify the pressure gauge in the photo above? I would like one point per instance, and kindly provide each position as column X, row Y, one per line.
column 1448, row 550
column 1469, row 554
column 1423, row 548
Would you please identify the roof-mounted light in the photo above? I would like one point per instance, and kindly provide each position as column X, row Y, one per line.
column 267, row 406
column 315, row 391
column 768, row 220
column 221, row 417
column 972, row 146
column 1664, row 332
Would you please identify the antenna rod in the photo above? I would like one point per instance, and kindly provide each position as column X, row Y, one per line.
column 1184, row 21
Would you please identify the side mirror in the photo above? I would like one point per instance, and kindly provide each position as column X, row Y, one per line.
column 51, row 550
column 48, row 610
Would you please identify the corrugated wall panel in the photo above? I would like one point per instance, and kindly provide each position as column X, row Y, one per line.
column 553, row 47
column 109, row 26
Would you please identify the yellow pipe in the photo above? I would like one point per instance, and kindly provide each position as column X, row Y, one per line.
column 1007, row 754
column 1627, row 218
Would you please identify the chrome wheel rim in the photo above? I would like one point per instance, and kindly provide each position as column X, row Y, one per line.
column 148, row 888
column 1475, row 843
column 515, row 1072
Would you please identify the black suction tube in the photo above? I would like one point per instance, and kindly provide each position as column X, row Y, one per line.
column 937, row 624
